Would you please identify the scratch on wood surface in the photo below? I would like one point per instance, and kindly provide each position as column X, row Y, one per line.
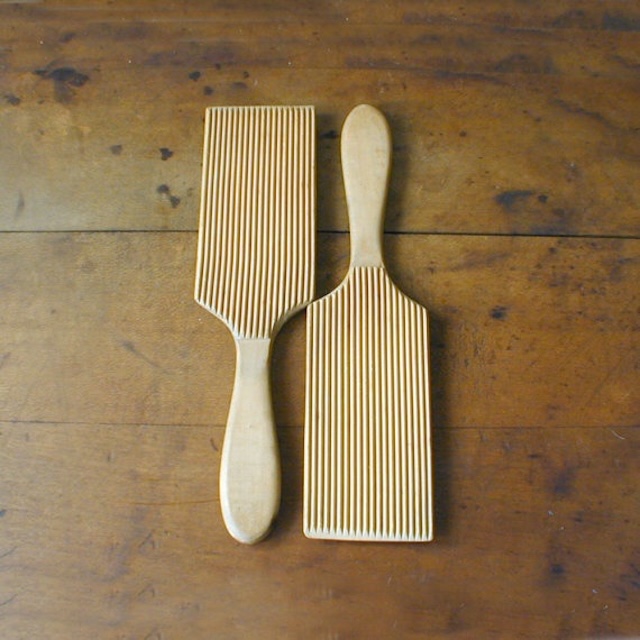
column 179, row 503
column 9, row 600
column 446, row 74
column 611, row 374
column 577, row 109
column 19, row 205
column 478, row 259
column 148, row 592
column 8, row 553
column 149, row 541
column 131, row 348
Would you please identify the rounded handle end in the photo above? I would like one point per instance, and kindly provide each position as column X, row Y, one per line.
column 250, row 465
column 366, row 166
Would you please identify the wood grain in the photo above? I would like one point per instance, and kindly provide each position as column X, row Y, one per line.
column 556, row 316
column 513, row 217
column 498, row 128
column 146, row 553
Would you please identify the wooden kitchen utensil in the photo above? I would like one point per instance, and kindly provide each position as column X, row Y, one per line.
column 367, row 460
column 255, row 268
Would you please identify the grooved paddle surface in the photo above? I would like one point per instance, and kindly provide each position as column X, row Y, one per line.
column 256, row 243
column 367, row 452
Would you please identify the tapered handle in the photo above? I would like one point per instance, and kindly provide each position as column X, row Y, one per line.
column 366, row 165
column 250, row 467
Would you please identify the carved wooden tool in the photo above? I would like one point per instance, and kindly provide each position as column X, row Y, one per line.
column 367, row 454
column 255, row 268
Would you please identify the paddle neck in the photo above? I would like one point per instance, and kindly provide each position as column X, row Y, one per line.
column 366, row 165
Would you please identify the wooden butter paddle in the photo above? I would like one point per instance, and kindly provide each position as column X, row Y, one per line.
column 255, row 268
column 367, row 458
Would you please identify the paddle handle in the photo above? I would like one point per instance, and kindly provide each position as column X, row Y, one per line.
column 366, row 165
column 250, row 466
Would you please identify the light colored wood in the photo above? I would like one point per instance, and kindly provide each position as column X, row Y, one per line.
column 367, row 459
column 255, row 268
column 250, row 461
column 365, row 152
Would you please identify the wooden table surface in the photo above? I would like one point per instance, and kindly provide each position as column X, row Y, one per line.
column 513, row 216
